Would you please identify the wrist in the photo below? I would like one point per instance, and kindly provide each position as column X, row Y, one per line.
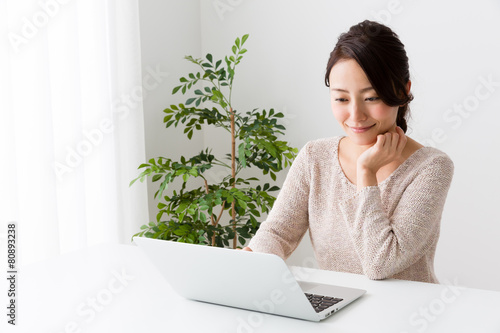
column 365, row 177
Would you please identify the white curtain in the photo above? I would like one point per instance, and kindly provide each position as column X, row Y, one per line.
column 71, row 126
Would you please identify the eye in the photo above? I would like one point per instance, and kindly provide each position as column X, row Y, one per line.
column 340, row 99
column 371, row 99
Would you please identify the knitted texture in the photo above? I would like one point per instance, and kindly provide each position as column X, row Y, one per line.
column 385, row 231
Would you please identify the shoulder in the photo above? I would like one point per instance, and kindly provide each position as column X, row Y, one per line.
column 434, row 156
column 432, row 162
column 428, row 156
column 318, row 151
column 322, row 146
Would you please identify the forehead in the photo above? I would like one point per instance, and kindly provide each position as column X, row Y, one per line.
column 347, row 73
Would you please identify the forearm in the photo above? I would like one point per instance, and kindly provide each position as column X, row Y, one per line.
column 390, row 240
column 288, row 220
column 384, row 245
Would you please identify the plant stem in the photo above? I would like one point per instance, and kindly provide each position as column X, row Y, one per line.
column 220, row 163
column 211, row 215
column 233, row 173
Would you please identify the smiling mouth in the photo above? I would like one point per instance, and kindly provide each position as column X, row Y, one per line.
column 361, row 129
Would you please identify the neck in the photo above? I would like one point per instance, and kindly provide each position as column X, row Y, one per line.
column 354, row 148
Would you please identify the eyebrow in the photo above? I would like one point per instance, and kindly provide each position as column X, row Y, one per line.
column 361, row 91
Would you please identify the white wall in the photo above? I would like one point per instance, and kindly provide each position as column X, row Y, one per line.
column 169, row 31
column 453, row 48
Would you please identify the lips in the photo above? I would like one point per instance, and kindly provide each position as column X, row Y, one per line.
column 361, row 129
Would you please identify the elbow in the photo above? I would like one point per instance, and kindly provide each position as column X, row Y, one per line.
column 376, row 272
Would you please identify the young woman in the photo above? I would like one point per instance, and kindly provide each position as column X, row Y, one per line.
column 372, row 200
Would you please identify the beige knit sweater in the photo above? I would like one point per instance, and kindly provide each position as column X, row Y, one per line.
column 389, row 230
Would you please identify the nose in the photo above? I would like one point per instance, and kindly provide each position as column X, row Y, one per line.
column 357, row 112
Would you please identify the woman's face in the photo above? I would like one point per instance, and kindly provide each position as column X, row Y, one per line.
column 356, row 105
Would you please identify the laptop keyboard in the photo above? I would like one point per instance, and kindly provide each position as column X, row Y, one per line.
column 320, row 302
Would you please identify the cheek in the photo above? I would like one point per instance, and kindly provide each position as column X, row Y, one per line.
column 339, row 112
column 384, row 112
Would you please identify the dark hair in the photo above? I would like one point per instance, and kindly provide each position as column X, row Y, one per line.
column 382, row 56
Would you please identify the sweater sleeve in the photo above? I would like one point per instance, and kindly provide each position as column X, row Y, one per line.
column 386, row 245
column 287, row 221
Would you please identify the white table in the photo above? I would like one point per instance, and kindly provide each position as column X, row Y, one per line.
column 114, row 288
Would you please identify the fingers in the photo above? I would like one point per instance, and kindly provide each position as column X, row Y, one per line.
column 392, row 143
column 387, row 141
column 388, row 148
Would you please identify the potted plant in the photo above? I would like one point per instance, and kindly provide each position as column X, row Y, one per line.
column 194, row 216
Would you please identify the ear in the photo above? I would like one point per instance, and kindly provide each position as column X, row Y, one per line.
column 408, row 87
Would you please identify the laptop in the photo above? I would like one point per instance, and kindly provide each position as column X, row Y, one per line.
column 248, row 280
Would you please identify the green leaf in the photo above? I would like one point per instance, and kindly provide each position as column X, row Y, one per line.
column 157, row 177
column 209, row 57
column 190, row 100
column 242, row 204
column 244, row 39
column 179, row 232
column 181, row 217
column 176, row 89
column 241, row 154
column 273, row 175
column 203, row 217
